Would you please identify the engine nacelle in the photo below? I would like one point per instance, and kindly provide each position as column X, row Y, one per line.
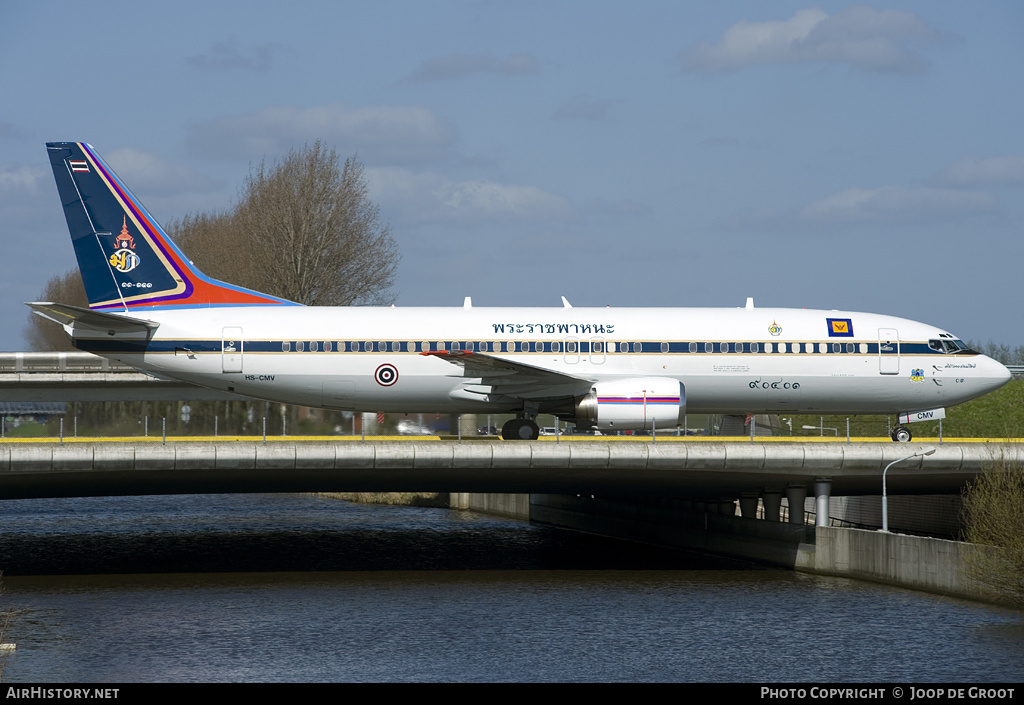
column 636, row 404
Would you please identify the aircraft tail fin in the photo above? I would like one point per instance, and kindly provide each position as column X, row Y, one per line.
column 126, row 259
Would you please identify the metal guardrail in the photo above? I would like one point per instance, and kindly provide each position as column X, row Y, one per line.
column 58, row 362
column 80, row 376
column 1016, row 370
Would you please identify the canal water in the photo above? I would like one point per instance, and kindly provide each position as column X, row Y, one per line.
column 296, row 588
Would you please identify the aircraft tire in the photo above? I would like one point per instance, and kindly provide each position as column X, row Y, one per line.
column 529, row 431
column 509, row 429
column 901, row 434
column 520, row 430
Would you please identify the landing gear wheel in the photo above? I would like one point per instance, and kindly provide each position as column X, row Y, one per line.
column 901, row 434
column 520, row 430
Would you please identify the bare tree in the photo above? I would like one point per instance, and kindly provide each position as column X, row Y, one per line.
column 993, row 519
column 314, row 236
column 214, row 244
column 44, row 335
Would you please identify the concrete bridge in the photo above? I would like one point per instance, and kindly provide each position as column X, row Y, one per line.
column 708, row 471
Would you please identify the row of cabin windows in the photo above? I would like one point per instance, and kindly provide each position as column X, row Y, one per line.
column 571, row 346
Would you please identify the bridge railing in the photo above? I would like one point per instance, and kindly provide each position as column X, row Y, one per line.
column 58, row 362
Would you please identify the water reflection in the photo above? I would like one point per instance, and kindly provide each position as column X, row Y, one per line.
column 339, row 592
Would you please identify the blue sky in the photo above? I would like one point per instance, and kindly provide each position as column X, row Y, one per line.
column 828, row 155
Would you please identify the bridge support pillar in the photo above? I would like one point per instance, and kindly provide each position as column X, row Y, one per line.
column 795, row 495
column 772, row 505
column 458, row 500
column 822, row 491
column 748, row 505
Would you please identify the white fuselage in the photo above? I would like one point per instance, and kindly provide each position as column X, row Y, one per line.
column 730, row 360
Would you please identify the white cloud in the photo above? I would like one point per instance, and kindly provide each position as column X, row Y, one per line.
column 378, row 133
column 432, row 198
column 974, row 171
column 876, row 40
column 22, row 178
column 147, row 172
column 453, row 66
column 897, row 205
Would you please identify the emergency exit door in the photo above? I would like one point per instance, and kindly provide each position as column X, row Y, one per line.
column 231, row 349
column 888, row 351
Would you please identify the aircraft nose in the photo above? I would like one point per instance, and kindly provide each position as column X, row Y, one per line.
column 995, row 373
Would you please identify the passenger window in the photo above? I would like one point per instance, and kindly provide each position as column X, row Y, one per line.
column 300, row 346
column 664, row 347
column 286, row 346
column 556, row 346
column 693, row 347
column 327, row 346
column 313, row 346
column 754, row 347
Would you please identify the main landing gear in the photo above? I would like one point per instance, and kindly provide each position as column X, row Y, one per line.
column 901, row 434
column 520, row 430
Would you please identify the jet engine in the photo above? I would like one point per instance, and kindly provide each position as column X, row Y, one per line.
column 637, row 403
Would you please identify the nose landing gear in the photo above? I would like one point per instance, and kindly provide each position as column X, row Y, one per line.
column 901, row 434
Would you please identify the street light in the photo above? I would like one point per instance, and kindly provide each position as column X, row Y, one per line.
column 885, row 503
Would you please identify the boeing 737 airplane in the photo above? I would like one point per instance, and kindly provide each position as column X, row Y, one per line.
column 605, row 368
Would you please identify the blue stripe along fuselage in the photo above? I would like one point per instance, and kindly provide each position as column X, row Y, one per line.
column 128, row 347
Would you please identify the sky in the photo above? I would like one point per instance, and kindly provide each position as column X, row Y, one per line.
column 650, row 153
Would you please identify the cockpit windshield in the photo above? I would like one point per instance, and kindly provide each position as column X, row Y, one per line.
column 948, row 345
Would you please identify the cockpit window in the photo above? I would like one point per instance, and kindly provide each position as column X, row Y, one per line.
column 947, row 345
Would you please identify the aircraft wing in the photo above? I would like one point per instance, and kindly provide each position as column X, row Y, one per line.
column 112, row 323
column 499, row 376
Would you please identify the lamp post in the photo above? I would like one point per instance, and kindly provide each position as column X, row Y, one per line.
column 885, row 502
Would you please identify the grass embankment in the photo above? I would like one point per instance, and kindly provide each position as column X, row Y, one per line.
column 996, row 415
column 406, row 499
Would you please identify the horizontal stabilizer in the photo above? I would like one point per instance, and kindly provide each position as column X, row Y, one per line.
column 112, row 323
